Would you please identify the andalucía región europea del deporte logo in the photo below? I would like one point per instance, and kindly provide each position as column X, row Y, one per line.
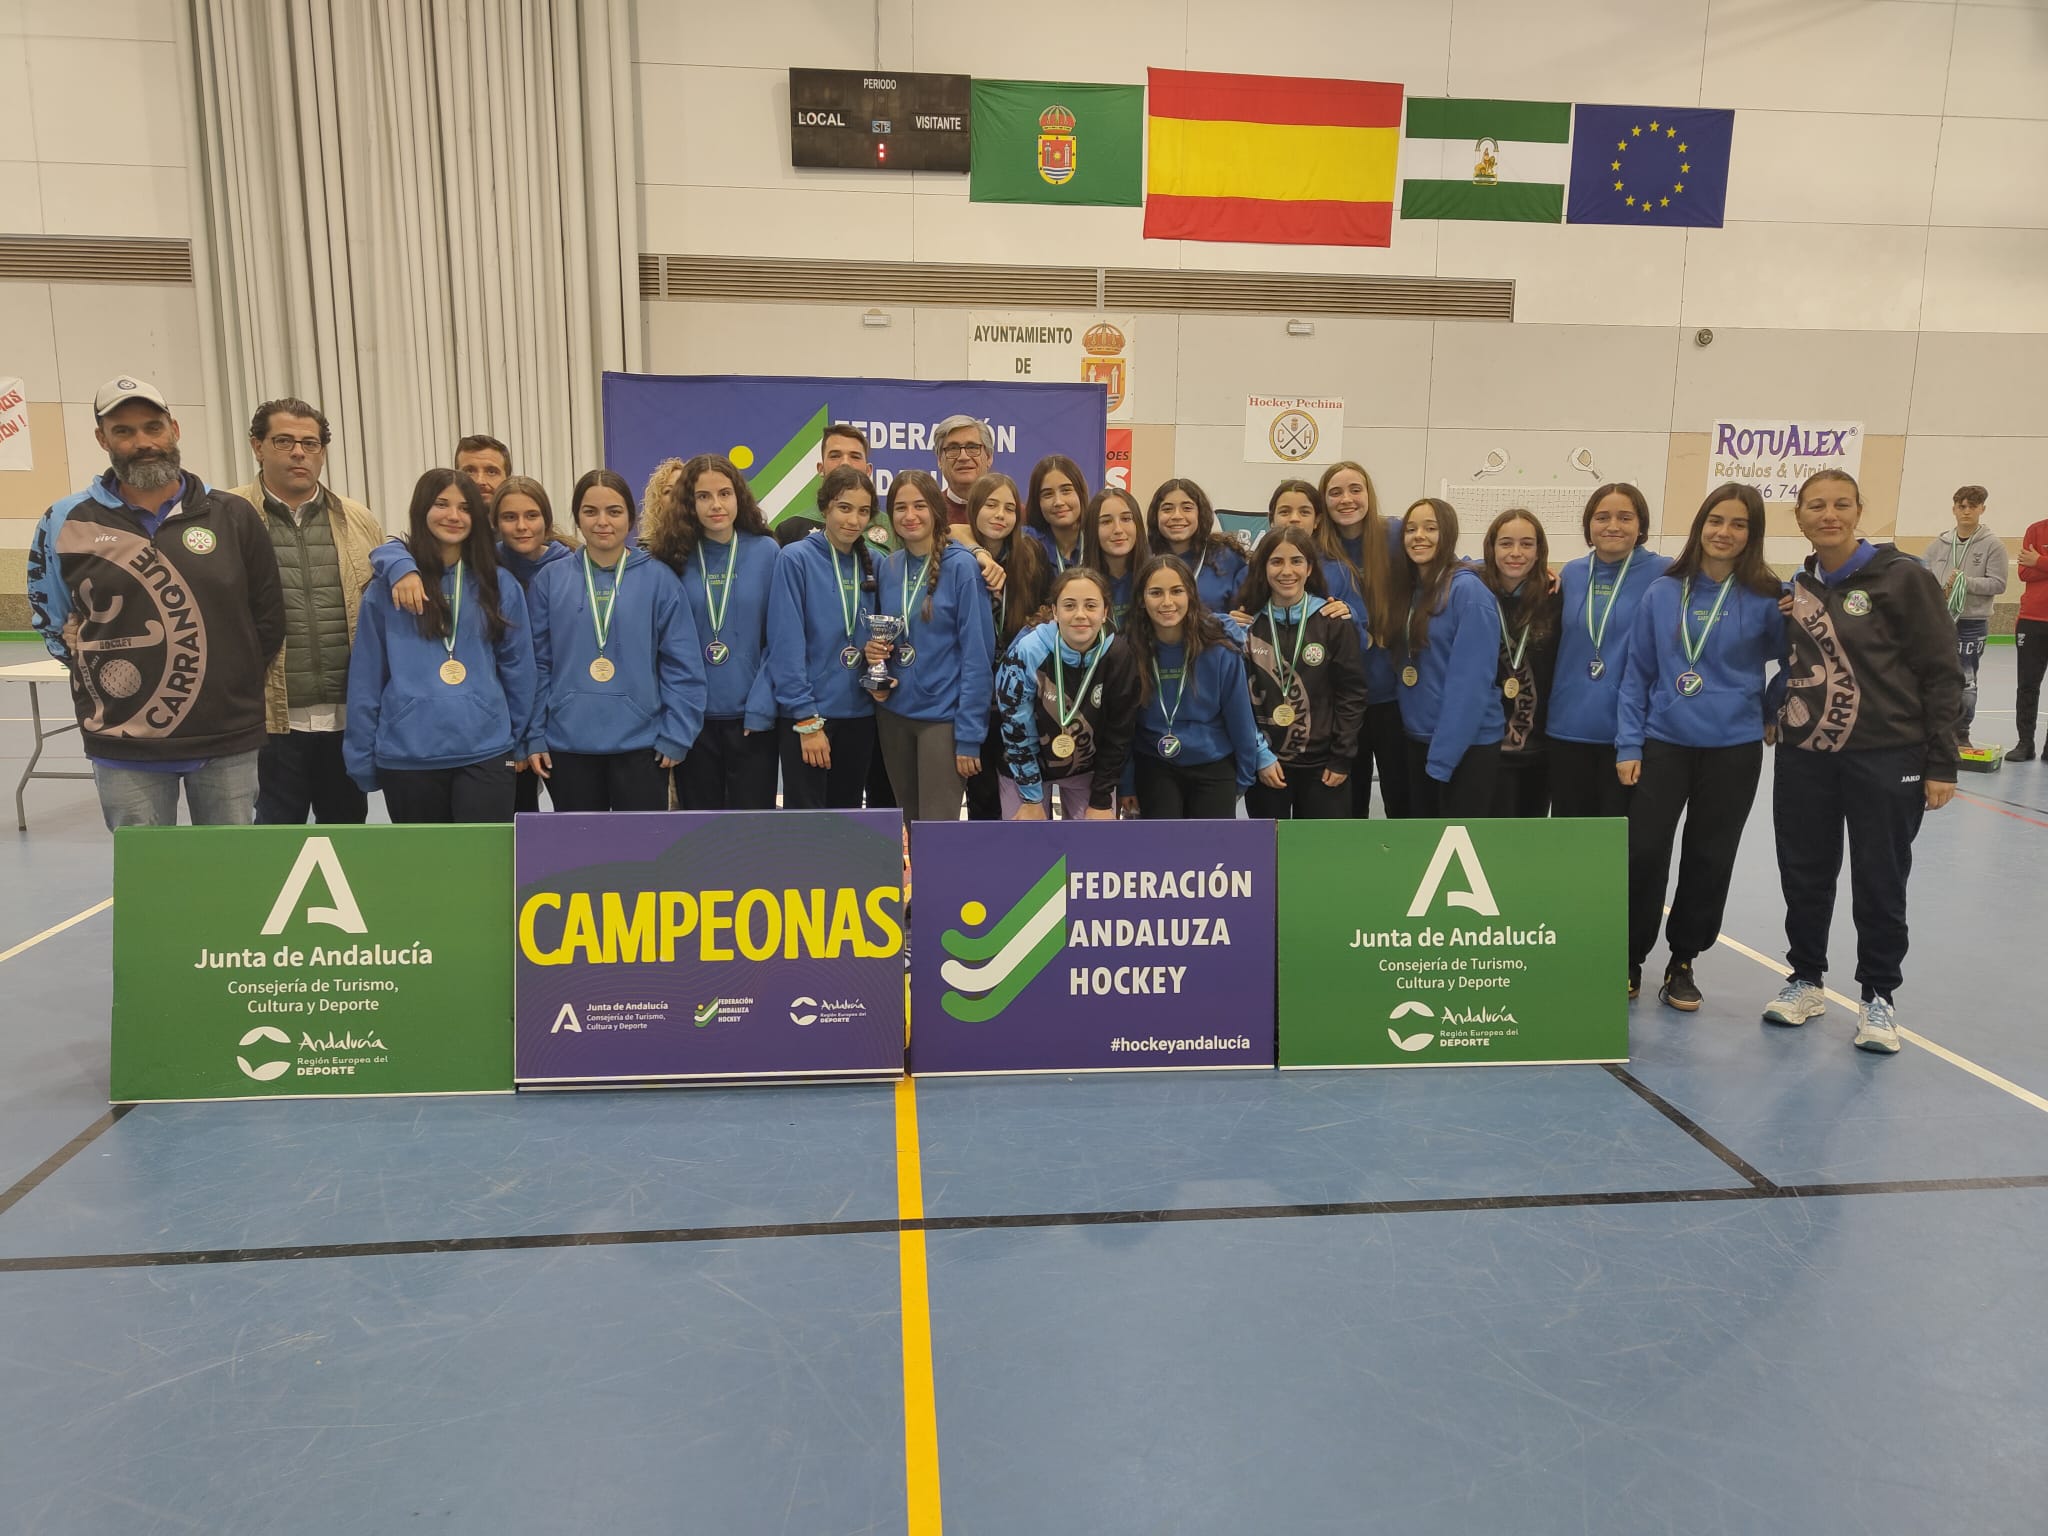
column 987, row 970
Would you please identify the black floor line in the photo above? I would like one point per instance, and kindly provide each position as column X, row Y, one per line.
column 1471, row 1203
column 57, row 1159
column 1691, row 1127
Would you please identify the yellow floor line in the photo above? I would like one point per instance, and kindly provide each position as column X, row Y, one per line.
column 920, row 1412
column 51, row 933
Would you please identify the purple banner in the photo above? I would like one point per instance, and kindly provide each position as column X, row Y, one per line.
column 675, row 944
column 1092, row 945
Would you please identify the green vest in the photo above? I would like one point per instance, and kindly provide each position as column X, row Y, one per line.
column 315, row 614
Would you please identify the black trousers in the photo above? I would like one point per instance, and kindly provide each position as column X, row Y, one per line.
column 1382, row 744
column 727, row 768
column 438, row 796
column 1306, row 797
column 1878, row 799
column 839, row 787
column 1583, row 781
column 1468, row 796
column 608, row 781
column 2030, row 637
column 984, row 790
column 301, row 772
column 1186, row 791
column 1713, row 788
column 1522, row 790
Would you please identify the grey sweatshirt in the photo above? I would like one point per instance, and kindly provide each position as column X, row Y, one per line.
column 1983, row 567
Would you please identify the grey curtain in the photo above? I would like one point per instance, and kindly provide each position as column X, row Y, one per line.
column 421, row 216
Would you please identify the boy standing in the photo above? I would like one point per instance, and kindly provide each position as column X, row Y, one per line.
column 1969, row 562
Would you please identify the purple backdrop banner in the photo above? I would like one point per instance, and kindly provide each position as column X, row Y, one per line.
column 1075, row 946
column 677, row 944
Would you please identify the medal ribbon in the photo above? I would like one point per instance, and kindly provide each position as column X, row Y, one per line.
column 1066, row 712
column 1516, row 649
column 454, row 613
column 849, row 597
column 912, row 588
column 602, row 623
column 1180, row 691
column 1958, row 589
column 718, row 603
column 1600, row 634
column 1694, row 647
column 1286, row 669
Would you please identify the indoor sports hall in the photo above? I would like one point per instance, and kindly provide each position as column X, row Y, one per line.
column 1681, row 1271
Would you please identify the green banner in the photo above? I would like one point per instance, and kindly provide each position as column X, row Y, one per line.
column 299, row 962
column 1045, row 141
column 1429, row 943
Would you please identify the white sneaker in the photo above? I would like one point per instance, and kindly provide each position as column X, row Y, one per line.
column 1877, row 1027
column 1796, row 1002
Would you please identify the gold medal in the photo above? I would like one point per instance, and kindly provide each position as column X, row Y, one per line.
column 1063, row 746
column 453, row 672
column 602, row 669
column 1283, row 715
column 1512, row 688
column 1410, row 676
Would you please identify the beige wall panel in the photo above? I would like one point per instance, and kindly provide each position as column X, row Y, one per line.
column 28, row 493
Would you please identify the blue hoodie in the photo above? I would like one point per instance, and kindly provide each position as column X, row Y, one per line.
column 1219, row 577
column 1212, row 713
column 400, row 713
column 1582, row 707
column 1730, row 708
column 1453, row 704
column 393, row 561
column 953, row 673
column 738, row 686
column 1055, row 562
column 655, row 697
column 807, row 631
column 1382, row 677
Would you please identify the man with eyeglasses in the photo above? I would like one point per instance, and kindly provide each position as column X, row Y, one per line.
column 967, row 451
column 323, row 543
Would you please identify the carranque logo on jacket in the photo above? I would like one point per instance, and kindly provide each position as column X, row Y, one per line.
column 141, row 650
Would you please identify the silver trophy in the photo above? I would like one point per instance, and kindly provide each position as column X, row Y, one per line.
column 881, row 626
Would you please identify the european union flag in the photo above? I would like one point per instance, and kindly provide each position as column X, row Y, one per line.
column 1649, row 165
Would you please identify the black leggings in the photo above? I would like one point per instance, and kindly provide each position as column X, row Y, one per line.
column 1306, row 797
column 1469, row 794
column 1713, row 788
column 1382, row 744
column 727, row 768
column 608, row 781
column 478, row 792
column 838, row 787
column 1583, row 781
column 1186, row 791
column 1523, row 788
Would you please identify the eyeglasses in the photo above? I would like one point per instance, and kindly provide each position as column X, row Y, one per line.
column 963, row 450
column 287, row 444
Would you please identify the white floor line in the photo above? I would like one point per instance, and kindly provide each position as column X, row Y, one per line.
column 50, row 933
column 2004, row 1085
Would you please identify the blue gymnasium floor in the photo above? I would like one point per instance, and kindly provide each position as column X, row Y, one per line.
column 1758, row 1282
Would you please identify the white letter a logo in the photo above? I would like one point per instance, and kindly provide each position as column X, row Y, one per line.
column 566, row 1019
column 1456, row 843
column 317, row 853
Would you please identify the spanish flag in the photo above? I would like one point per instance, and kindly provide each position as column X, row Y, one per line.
column 1270, row 160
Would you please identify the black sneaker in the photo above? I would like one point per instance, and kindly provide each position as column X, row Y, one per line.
column 1679, row 990
column 1635, row 982
column 2023, row 753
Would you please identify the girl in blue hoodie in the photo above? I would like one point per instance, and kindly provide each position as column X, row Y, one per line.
column 825, row 587
column 1370, row 545
column 1184, row 525
column 1449, row 646
column 1056, row 513
column 995, row 522
column 620, row 693
column 438, row 705
column 709, row 530
column 1599, row 594
column 933, row 721
column 1198, row 746
column 1690, row 729
column 1117, row 527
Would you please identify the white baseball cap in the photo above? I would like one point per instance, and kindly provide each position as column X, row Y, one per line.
column 117, row 391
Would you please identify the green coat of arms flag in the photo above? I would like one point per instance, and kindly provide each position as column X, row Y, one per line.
column 1042, row 141
column 1469, row 159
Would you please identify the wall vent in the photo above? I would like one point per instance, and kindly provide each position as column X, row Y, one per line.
column 75, row 259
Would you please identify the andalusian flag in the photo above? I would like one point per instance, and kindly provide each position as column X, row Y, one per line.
column 788, row 483
column 1043, row 141
column 1271, row 160
column 1469, row 159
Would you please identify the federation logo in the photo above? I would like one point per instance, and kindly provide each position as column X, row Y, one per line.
column 986, row 970
column 1056, row 146
column 200, row 540
column 703, row 1016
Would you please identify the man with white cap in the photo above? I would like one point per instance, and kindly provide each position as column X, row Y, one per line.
column 162, row 595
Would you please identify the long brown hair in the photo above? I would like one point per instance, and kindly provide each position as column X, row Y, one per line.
column 1034, row 517
column 1199, row 630
column 935, row 508
column 1207, row 535
column 1025, row 578
column 1373, row 570
column 479, row 553
column 672, row 529
column 1420, row 593
column 1750, row 570
column 1257, row 590
column 1097, row 555
column 534, row 491
column 1526, row 604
